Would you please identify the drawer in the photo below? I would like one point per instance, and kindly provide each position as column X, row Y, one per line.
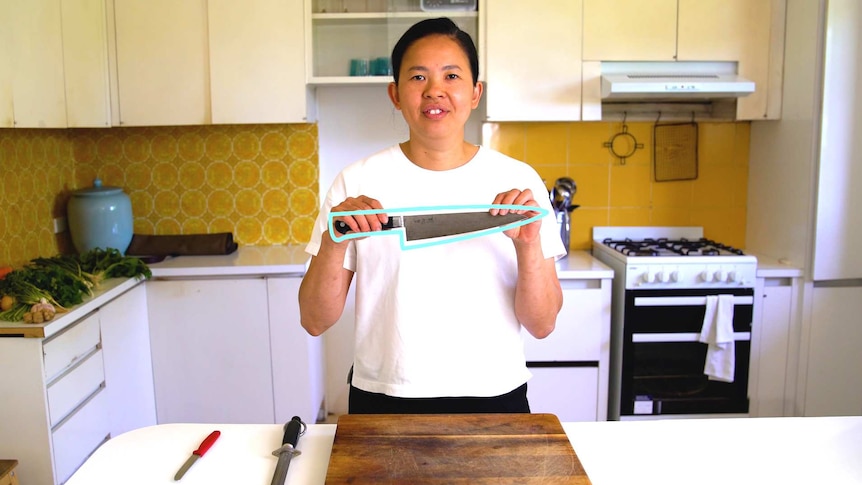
column 73, row 388
column 582, row 325
column 79, row 436
column 571, row 393
column 71, row 345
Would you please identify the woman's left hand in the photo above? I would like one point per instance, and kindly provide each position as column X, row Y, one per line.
column 528, row 232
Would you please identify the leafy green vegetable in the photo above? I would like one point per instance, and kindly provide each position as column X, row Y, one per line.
column 64, row 281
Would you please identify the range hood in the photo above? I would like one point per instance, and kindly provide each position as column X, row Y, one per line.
column 672, row 80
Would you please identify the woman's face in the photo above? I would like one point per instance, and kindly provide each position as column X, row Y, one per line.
column 435, row 92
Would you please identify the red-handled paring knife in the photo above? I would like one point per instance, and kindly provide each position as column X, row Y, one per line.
column 202, row 449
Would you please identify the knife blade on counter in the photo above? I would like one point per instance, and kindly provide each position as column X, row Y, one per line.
column 425, row 223
column 197, row 454
column 293, row 429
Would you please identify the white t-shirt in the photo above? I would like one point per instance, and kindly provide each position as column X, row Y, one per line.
column 436, row 321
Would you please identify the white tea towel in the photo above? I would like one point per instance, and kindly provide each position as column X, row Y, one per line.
column 717, row 333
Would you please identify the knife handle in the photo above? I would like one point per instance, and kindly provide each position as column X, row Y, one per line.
column 291, row 431
column 207, row 443
column 343, row 228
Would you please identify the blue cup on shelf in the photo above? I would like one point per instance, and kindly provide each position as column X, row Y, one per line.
column 381, row 66
column 359, row 67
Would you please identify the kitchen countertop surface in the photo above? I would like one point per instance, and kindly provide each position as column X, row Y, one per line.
column 769, row 267
column 108, row 290
column 671, row 451
column 245, row 261
column 292, row 259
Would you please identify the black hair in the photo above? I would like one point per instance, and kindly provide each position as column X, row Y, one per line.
column 438, row 26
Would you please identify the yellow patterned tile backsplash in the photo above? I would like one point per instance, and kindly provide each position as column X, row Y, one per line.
column 260, row 181
column 257, row 181
column 619, row 192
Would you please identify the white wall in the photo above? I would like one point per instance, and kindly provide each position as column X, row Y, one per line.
column 356, row 121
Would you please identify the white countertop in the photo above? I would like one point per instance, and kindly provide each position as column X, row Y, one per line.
column 245, row 261
column 292, row 259
column 582, row 265
column 107, row 291
column 769, row 267
column 682, row 451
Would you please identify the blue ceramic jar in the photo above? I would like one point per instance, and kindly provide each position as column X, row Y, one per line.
column 100, row 217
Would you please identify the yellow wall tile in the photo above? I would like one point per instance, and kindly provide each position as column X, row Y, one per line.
column 257, row 181
column 616, row 194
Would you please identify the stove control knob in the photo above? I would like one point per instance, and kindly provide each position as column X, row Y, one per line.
column 646, row 277
column 706, row 275
column 731, row 277
column 674, row 276
column 720, row 275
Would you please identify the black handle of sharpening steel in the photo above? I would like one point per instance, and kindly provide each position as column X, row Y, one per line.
column 292, row 431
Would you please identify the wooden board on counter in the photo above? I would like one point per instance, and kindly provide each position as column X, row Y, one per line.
column 453, row 448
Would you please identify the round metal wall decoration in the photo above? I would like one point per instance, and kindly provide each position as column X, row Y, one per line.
column 623, row 144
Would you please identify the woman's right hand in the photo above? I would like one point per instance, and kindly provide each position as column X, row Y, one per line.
column 365, row 222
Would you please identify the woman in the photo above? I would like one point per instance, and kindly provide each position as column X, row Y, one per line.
column 437, row 328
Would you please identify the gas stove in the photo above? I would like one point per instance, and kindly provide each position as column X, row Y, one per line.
column 672, row 257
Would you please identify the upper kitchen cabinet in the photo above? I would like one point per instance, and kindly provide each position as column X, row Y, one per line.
column 162, row 62
column 533, row 59
column 53, row 64
column 199, row 62
column 350, row 42
column 33, row 61
column 85, row 63
column 257, row 53
column 748, row 32
column 7, row 117
column 629, row 30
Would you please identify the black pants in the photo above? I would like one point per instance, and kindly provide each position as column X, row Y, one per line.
column 363, row 402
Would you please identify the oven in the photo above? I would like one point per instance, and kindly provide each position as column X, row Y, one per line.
column 663, row 278
column 663, row 359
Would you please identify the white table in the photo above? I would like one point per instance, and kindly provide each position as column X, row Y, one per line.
column 702, row 451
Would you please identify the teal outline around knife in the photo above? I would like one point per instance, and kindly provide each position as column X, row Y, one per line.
column 542, row 212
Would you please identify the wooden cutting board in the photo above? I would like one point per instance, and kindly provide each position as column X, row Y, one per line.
column 453, row 448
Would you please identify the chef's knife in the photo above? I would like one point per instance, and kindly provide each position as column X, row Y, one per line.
column 202, row 449
column 292, row 430
column 428, row 226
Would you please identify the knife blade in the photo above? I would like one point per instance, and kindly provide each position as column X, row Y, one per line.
column 292, row 431
column 428, row 226
column 201, row 451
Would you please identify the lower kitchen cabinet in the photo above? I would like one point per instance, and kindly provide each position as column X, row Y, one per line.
column 231, row 350
column 570, row 366
column 774, row 333
column 833, row 384
column 210, row 347
column 67, row 394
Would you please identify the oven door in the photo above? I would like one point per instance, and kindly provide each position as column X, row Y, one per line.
column 663, row 361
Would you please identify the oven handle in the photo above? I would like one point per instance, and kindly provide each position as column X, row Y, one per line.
column 686, row 300
column 680, row 337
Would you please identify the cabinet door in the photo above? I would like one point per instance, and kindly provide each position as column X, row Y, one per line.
column 771, row 342
column 730, row 30
column 210, row 347
column 571, row 393
column 7, row 118
column 162, row 62
column 629, row 30
column 85, row 63
column 257, row 61
column 834, row 383
column 38, row 90
column 297, row 357
column 533, row 59
column 128, row 363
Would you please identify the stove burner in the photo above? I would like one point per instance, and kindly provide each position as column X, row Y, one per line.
column 670, row 247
